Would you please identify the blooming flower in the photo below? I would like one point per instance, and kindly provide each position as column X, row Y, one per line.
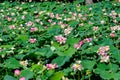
column 51, row 66
column 104, row 58
column 30, row 23
column 60, row 39
column 33, row 29
column 17, row 72
column 77, row 66
column 12, row 27
column 81, row 43
column 32, row 40
column 68, row 30
column 102, row 51
column 9, row 18
column 87, row 39
column 22, row 78
column 24, row 63
column 77, row 46
column 112, row 34
column 95, row 28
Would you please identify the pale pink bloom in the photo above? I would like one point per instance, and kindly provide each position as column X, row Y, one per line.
column 12, row 27
column 33, row 29
column 81, row 43
column 103, row 49
column 84, row 18
column 68, row 30
column 23, row 17
column 115, row 28
column 115, row 21
column 102, row 53
column 9, row 18
column 87, row 40
column 77, row 46
column 74, row 14
column 107, row 48
column 104, row 58
column 77, row 67
column 32, row 40
column 51, row 15
column 37, row 20
column 30, row 23
column 22, row 78
column 24, row 63
column 53, row 23
column 45, row 27
column 58, row 16
column 73, row 17
column 60, row 39
column 80, row 15
column 51, row 66
column 113, row 13
column 17, row 72
column 95, row 28
column 112, row 34
column 90, row 22
column 64, row 25
column 60, row 23
column 68, row 19
column 50, row 20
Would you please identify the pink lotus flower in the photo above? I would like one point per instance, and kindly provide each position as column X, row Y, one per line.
column 22, row 78
column 33, row 29
column 81, row 43
column 51, row 66
column 95, row 28
column 104, row 58
column 103, row 49
column 9, row 19
column 45, row 27
column 30, row 23
column 60, row 39
column 77, row 46
column 87, row 40
column 112, row 34
column 32, row 40
column 68, row 30
column 77, row 66
column 17, row 72
column 12, row 27
column 50, row 20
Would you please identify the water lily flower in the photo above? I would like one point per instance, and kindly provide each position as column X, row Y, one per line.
column 33, row 29
column 32, row 40
column 22, row 78
column 30, row 23
column 51, row 66
column 104, row 58
column 60, row 39
column 77, row 66
column 17, row 72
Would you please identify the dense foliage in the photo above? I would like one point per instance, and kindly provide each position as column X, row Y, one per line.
column 59, row 41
